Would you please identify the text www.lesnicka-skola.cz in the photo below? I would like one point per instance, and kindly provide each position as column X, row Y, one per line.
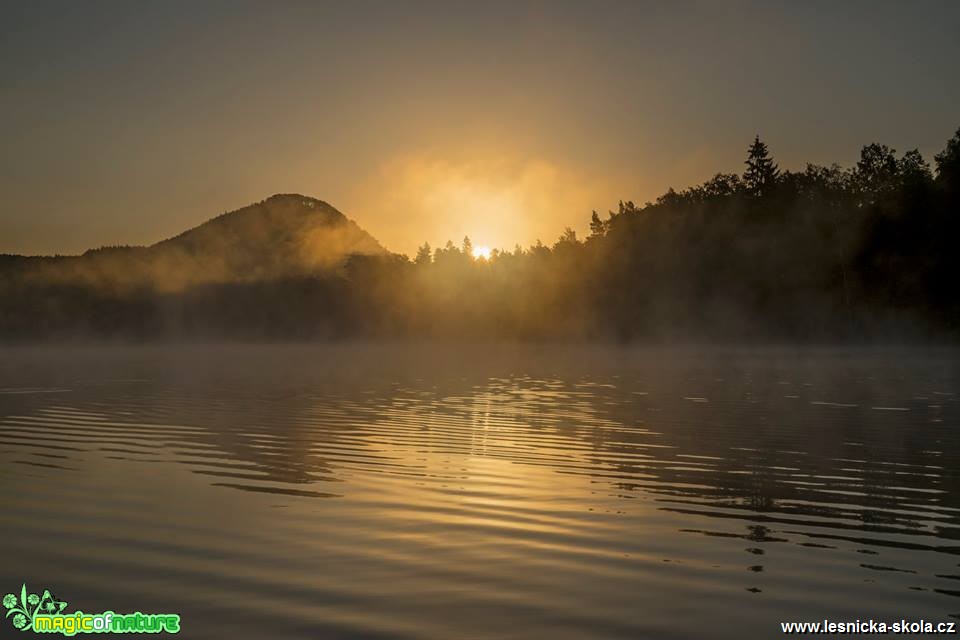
column 869, row 626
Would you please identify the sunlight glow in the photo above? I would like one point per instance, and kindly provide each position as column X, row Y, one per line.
column 481, row 253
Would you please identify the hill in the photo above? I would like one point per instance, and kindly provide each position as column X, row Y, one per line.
column 286, row 235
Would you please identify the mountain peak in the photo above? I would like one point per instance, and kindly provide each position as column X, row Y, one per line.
column 295, row 198
column 286, row 234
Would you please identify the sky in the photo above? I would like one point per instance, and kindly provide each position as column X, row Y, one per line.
column 128, row 122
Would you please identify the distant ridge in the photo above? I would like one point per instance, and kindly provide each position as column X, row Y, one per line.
column 285, row 235
column 286, row 213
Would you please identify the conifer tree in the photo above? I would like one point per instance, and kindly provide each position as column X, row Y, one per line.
column 762, row 172
column 424, row 254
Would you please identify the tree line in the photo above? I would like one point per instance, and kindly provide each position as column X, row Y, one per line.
column 826, row 253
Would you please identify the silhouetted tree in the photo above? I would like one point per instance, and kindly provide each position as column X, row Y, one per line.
column 762, row 172
column 722, row 185
column 598, row 228
column 569, row 236
column 876, row 173
column 948, row 164
column 913, row 169
column 424, row 254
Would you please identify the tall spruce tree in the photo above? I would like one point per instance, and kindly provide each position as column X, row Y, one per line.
column 762, row 172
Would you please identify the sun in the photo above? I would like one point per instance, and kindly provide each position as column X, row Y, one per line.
column 481, row 253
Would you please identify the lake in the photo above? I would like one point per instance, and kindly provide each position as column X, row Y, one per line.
column 484, row 491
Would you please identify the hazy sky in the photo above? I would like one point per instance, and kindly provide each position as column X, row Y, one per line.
column 126, row 122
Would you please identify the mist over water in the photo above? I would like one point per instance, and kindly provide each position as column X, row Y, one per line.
column 484, row 492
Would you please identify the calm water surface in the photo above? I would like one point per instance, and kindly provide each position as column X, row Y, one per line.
column 484, row 492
